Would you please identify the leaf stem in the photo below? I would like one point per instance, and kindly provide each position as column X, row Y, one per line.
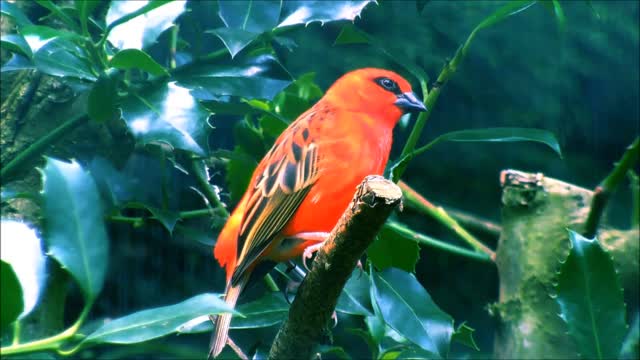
column 440, row 215
column 205, row 186
column 607, row 187
column 40, row 146
column 50, row 343
column 438, row 244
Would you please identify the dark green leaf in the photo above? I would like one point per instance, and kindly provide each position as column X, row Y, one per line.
column 157, row 322
column 76, row 234
column 249, row 139
column 22, row 249
column 258, row 76
column 272, row 126
column 413, row 353
column 511, row 8
column 350, row 35
column 145, row 28
column 407, row 308
column 420, row 4
column 239, row 170
column 17, row 44
column 631, row 345
column 269, row 310
column 337, row 352
column 392, row 250
column 11, row 297
column 591, row 300
column 464, row 336
column 137, row 59
column 168, row 114
column 85, row 8
column 234, row 39
column 61, row 57
column 102, row 104
column 17, row 62
column 355, row 298
column 308, row 11
column 256, row 16
column 12, row 10
column 368, row 339
column 57, row 11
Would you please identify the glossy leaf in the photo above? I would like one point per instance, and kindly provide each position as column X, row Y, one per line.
column 392, row 250
column 102, row 104
column 269, row 310
column 17, row 44
column 305, row 12
column 61, row 57
column 591, row 300
column 157, row 322
column 39, row 35
column 137, row 59
column 355, row 298
column 76, row 234
column 408, row 309
column 11, row 296
column 12, row 10
column 239, row 169
column 168, row 114
column 235, row 39
column 483, row 135
column 21, row 248
column 256, row 76
column 256, row 16
column 144, row 29
column 464, row 336
column 17, row 62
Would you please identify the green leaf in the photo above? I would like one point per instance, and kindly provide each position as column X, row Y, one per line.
column 239, row 170
column 168, row 114
column 234, row 39
column 138, row 24
column 464, row 336
column 256, row 16
column 12, row 10
column 157, row 322
column 355, row 298
column 269, row 310
column 308, row 11
column 137, row 59
column 57, row 11
column 11, row 297
column 631, row 345
column 483, row 135
column 254, row 76
column 591, row 300
column 350, row 35
column 39, row 35
column 102, row 104
column 17, row 62
column 22, row 249
column 408, row 309
column 17, row 44
column 392, row 250
column 76, row 234
column 511, row 8
column 61, row 57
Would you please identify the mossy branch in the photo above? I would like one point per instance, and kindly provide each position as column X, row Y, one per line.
column 318, row 294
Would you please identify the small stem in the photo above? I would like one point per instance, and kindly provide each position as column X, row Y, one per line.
column 50, row 343
column 635, row 199
column 438, row 244
column 271, row 284
column 40, row 146
column 437, row 213
column 173, row 46
column 205, row 187
column 607, row 187
column 16, row 333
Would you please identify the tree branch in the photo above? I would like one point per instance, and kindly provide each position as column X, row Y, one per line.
column 318, row 294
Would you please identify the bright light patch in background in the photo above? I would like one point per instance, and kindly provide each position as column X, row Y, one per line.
column 21, row 248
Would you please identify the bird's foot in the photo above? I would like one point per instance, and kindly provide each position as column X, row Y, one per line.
column 308, row 253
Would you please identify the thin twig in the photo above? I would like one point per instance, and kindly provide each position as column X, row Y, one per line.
column 607, row 187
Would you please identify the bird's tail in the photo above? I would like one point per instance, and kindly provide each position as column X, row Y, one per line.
column 221, row 332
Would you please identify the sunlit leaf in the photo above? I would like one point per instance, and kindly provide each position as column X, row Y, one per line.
column 143, row 30
column 255, row 76
column 39, row 35
column 12, row 10
column 305, row 12
column 591, row 300
column 169, row 114
column 22, row 249
column 102, row 104
column 392, row 250
column 11, row 296
column 76, row 234
column 137, row 59
column 407, row 308
column 355, row 298
column 17, row 44
column 157, row 322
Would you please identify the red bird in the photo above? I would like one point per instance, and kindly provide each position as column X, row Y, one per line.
column 305, row 182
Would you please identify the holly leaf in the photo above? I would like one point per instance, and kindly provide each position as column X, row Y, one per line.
column 591, row 299
column 390, row 249
column 355, row 298
column 11, row 298
column 137, row 59
column 76, row 234
column 306, row 12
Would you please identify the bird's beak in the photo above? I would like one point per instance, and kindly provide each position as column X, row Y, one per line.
column 409, row 102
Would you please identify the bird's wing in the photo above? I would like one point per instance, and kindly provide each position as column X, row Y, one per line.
column 290, row 168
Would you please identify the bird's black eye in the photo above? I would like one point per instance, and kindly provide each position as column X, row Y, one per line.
column 388, row 84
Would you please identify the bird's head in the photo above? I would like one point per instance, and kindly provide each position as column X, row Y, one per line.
column 382, row 93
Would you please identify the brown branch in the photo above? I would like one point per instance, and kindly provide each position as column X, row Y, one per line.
column 318, row 294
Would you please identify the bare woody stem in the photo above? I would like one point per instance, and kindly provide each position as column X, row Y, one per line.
column 318, row 294
column 608, row 186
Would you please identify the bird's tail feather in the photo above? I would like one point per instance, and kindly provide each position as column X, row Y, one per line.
column 221, row 332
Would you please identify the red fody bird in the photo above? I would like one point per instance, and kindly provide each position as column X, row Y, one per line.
column 305, row 182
